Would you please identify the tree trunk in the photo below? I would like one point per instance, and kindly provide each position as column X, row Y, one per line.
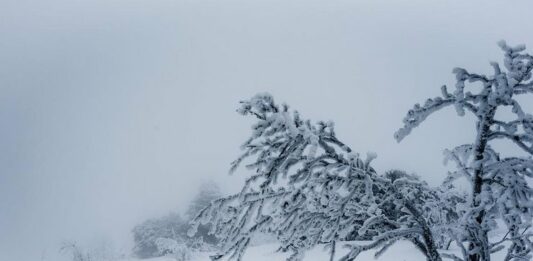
column 433, row 254
column 431, row 248
column 481, row 243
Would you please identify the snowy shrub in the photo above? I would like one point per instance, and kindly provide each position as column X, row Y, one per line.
column 202, row 240
column 174, row 227
column 173, row 248
column 145, row 234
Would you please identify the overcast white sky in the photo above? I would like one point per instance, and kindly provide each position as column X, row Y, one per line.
column 113, row 111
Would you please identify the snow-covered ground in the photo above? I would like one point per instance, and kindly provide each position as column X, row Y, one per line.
column 401, row 251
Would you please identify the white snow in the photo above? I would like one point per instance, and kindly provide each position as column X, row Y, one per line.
column 402, row 251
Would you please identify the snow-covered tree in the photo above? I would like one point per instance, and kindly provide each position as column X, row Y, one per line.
column 309, row 188
column 208, row 192
column 173, row 228
column 174, row 248
column 146, row 234
column 500, row 192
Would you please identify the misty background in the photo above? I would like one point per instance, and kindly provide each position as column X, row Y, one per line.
column 115, row 111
